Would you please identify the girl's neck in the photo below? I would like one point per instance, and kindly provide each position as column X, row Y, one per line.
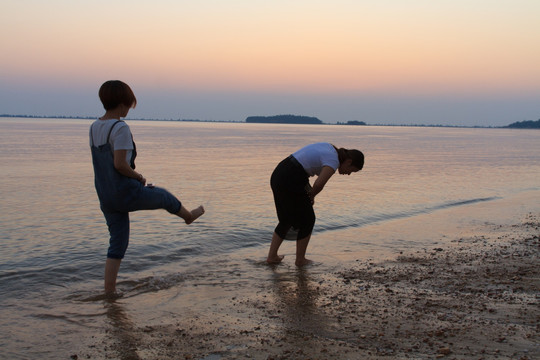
column 106, row 117
column 116, row 113
column 111, row 114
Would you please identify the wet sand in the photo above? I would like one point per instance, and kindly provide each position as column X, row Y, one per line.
column 475, row 297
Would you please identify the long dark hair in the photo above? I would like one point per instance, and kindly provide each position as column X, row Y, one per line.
column 356, row 156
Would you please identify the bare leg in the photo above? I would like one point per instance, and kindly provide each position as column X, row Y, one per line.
column 273, row 257
column 190, row 216
column 301, row 247
column 111, row 272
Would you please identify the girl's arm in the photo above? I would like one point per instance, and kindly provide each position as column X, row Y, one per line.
column 322, row 179
column 122, row 166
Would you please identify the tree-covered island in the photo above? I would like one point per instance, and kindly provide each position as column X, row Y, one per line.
column 283, row 119
column 527, row 124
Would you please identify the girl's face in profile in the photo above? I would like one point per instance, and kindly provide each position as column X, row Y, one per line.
column 124, row 110
column 346, row 168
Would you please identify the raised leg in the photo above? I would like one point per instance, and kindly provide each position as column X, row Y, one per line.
column 190, row 216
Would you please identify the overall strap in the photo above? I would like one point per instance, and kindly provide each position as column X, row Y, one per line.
column 110, row 130
column 92, row 135
column 108, row 135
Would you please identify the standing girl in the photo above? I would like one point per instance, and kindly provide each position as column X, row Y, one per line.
column 119, row 187
column 293, row 196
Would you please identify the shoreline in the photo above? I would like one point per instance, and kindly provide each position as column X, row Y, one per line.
column 473, row 297
column 67, row 117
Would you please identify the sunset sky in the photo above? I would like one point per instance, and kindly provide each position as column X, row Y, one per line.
column 450, row 62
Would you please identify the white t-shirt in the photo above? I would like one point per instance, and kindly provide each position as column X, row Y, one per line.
column 120, row 139
column 315, row 156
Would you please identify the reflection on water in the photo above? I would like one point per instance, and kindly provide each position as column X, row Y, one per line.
column 296, row 294
column 122, row 331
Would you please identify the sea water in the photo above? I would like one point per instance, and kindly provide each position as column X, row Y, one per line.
column 54, row 238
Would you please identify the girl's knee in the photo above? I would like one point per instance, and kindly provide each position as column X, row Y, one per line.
column 118, row 246
column 118, row 224
column 282, row 229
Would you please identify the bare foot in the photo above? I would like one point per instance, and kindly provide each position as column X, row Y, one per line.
column 195, row 214
column 303, row 262
column 275, row 260
column 112, row 296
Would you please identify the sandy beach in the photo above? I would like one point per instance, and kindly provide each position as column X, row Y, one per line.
column 474, row 297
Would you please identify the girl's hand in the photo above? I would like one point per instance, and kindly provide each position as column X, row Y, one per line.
column 322, row 179
column 142, row 179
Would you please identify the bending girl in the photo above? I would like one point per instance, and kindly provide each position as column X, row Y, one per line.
column 293, row 196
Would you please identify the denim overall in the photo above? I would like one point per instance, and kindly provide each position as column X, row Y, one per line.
column 118, row 195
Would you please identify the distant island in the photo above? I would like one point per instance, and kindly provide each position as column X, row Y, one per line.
column 283, row 119
column 527, row 124
column 352, row 122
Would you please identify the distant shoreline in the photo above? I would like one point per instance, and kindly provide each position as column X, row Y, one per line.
column 516, row 125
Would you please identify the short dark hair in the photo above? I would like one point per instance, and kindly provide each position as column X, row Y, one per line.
column 115, row 92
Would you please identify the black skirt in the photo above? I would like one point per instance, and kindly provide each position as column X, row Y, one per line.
column 293, row 205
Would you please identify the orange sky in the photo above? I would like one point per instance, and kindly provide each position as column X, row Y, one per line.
column 305, row 47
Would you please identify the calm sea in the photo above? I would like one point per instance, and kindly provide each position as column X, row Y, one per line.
column 54, row 238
